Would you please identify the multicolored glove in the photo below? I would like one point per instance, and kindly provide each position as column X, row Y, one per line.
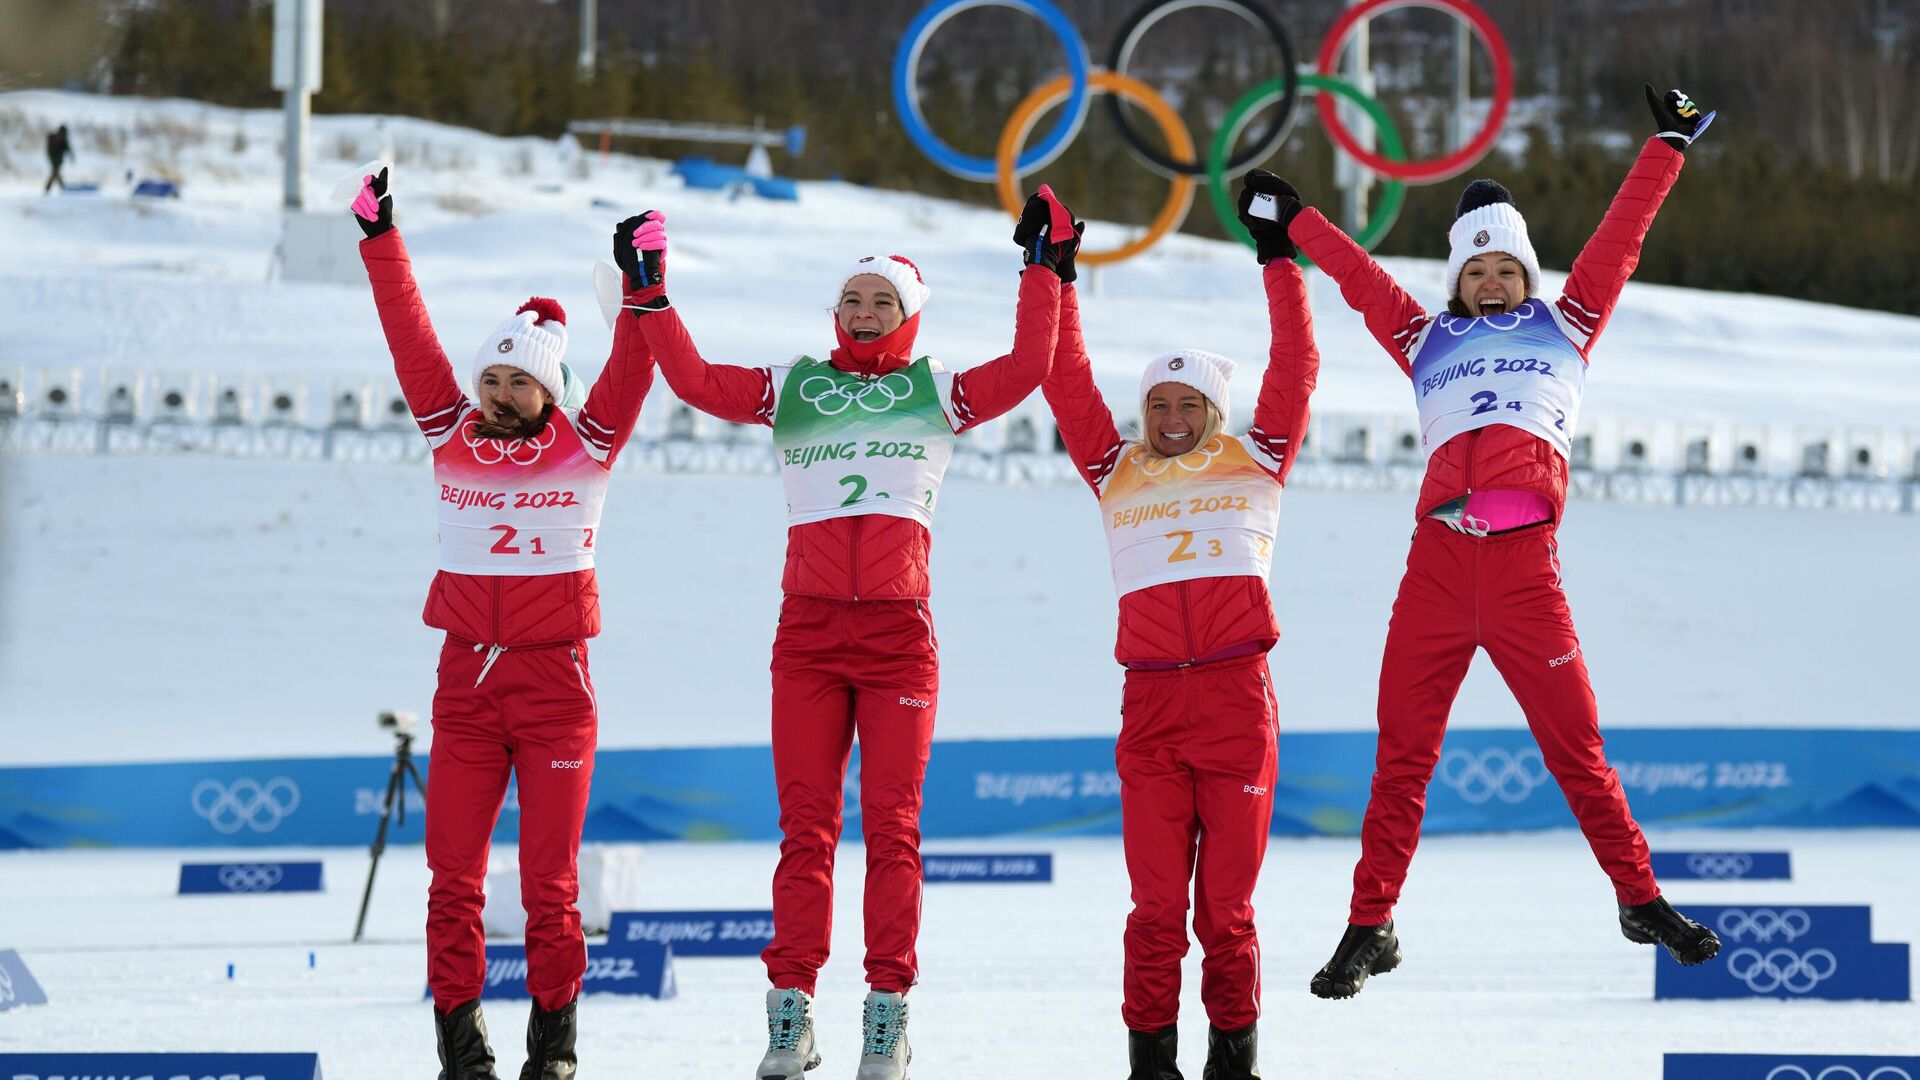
column 373, row 207
column 1679, row 118
column 640, row 250
column 1267, row 206
column 1048, row 235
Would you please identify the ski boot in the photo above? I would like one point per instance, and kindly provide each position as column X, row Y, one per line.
column 884, row 1052
column 1232, row 1055
column 1656, row 923
column 550, row 1044
column 790, row 1049
column 1151, row 1054
column 461, row 1035
column 1363, row 951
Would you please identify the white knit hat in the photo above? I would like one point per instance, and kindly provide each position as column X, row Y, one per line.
column 899, row 272
column 1485, row 222
column 533, row 340
column 1209, row 373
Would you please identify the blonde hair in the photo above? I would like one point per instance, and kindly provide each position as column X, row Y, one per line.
column 1214, row 425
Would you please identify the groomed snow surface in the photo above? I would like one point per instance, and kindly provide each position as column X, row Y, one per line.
column 1514, row 966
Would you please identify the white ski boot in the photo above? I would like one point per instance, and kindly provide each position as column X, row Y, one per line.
column 790, row 1049
column 884, row 1052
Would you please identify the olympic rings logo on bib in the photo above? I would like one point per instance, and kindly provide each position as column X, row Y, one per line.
column 1155, row 465
column 1181, row 163
column 518, row 451
column 837, row 397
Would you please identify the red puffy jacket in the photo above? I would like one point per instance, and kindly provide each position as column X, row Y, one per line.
column 1188, row 621
column 491, row 609
column 865, row 556
column 1500, row 455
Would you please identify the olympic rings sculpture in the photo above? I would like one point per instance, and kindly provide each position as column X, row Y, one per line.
column 1181, row 163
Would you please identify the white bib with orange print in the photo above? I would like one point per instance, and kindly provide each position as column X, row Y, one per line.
column 518, row 507
column 1210, row 513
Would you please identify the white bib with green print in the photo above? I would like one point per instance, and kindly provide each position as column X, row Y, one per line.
column 854, row 445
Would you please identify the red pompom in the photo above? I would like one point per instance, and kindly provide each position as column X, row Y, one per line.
column 546, row 310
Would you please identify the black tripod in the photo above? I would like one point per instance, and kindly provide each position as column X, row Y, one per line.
column 393, row 806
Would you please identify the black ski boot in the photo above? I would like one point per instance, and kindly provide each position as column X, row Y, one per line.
column 462, row 1038
column 1656, row 923
column 1151, row 1054
column 1232, row 1055
column 1363, row 951
column 550, row 1044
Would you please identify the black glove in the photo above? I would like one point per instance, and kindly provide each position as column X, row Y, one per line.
column 1679, row 118
column 1270, row 237
column 645, row 270
column 383, row 208
column 1041, row 221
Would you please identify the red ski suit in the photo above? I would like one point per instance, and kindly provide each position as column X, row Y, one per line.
column 514, row 692
column 855, row 653
column 1199, row 719
column 1502, row 592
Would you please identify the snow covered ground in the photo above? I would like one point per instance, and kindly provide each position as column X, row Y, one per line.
column 1016, row 981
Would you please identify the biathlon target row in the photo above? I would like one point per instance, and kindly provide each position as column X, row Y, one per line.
column 1181, row 162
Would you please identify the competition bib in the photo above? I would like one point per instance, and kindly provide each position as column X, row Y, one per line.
column 1518, row 368
column 518, row 507
column 852, row 445
column 1210, row 513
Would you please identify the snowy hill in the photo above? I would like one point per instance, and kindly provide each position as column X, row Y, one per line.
column 184, row 607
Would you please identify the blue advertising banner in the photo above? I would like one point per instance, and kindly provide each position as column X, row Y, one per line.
column 250, row 877
column 1486, row 780
column 1836, row 971
column 1784, row 924
column 1789, row 1067
column 17, row 984
column 996, row 867
column 640, row 968
column 1722, row 866
column 694, row 933
column 162, row 1066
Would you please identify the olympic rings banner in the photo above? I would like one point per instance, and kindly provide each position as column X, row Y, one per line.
column 1181, row 163
column 1486, row 780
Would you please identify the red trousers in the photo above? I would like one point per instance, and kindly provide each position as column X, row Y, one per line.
column 1197, row 759
column 1501, row 593
column 532, row 714
column 840, row 668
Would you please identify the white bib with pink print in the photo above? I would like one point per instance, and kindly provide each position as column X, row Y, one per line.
column 1210, row 513
column 518, row 507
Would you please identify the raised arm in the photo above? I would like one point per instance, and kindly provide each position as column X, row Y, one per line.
column 426, row 376
column 613, row 406
column 990, row 389
column 1293, row 369
column 1603, row 266
column 1048, row 239
column 1268, row 207
column 1085, row 421
column 739, row 395
column 1394, row 318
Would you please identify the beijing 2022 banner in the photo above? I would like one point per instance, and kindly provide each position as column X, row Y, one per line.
column 1485, row 780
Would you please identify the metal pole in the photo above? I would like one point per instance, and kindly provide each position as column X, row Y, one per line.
column 1462, row 80
column 589, row 34
column 296, row 106
column 1354, row 179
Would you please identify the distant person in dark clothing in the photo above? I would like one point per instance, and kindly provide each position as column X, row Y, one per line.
column 59, row 149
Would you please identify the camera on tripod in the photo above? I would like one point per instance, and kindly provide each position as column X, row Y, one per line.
column 393, row 806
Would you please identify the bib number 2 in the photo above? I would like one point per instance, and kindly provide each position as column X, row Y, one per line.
column 859, row 485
